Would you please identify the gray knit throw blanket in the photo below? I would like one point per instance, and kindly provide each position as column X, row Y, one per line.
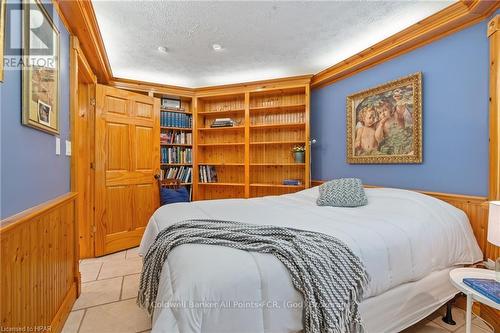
column 330, row 277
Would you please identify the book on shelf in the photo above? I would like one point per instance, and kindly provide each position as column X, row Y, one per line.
column 175, row 119
column 208, row 174
column 223, row 122
column 487, row 287
column 176, row 137
column 183, row 173
column 175, row 155
column 172, row 109
column 294, row 182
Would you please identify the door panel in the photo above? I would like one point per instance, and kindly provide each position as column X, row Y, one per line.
column 144, row 110
column 118, row 216
column 127, row 157
column 114, row 104
column 144, row 204
column 144, row 137
column 118, row 155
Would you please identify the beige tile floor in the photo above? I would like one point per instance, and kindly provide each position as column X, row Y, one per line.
column 109, row 288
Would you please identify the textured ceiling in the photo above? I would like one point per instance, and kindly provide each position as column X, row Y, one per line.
column 260, row 39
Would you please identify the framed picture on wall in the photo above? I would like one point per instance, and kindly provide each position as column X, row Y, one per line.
column 2, row 34
column 171, row 103
column 384, row 123
column 40, row 82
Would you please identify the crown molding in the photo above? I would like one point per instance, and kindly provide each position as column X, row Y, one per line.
column 141, row 86
column 255, row 85
column 81, row 21
column 456, row 17
column 80, row 18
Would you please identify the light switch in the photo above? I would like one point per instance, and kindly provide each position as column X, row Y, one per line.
column 68, row 148
column 58, row 146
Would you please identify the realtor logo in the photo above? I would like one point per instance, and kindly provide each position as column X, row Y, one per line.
column 36, row 45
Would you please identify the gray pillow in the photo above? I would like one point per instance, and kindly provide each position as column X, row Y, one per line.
column 343, row 192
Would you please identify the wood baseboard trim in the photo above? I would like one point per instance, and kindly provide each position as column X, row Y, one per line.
column 62, row 314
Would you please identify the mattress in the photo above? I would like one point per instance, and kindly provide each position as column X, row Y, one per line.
column 401, row 237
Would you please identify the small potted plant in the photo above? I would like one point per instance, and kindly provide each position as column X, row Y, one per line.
column 299, row 154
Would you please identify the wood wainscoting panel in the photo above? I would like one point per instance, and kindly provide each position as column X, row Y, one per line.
column 39, row 263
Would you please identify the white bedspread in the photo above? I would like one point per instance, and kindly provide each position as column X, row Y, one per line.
column 400, row 236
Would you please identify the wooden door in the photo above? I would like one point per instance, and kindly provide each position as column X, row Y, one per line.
column 127, row 149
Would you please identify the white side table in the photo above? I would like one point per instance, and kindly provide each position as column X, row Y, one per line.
column 457, row 275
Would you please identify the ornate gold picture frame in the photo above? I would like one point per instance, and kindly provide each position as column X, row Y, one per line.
column 40, row 69
column 384, row 123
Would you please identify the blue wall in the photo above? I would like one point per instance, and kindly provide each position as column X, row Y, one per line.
column 455, row 118
column 31, row 172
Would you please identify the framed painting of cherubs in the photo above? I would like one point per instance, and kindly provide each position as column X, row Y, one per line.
column 384, row 123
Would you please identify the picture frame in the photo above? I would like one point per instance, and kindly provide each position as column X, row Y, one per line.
column 44, row 113
column 384, row 123
column 3, row 5
column 40, row 78
column 171, row 103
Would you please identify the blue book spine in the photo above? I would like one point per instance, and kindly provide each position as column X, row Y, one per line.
column 487, row 287
column 291, row 182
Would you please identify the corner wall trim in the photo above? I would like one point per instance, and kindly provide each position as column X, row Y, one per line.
column 494, row 108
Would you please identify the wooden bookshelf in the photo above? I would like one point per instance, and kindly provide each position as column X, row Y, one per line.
column 252, row 158
column 172, row 129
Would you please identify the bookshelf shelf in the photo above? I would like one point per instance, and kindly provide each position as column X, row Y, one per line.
column 285, row 108
column 277, row 185
column 278, row 142
column 176, row 128
column 221, row 113
column 175, row 145
column 271, row 126
column 229, row 128
column 254, row 157
column 278, row 164
column 222, row 164
column 175, row 111
column 176, row 164
column 221, row 144
column 222, row 184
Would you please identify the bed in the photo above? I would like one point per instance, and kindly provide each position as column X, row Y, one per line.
column 407, row 241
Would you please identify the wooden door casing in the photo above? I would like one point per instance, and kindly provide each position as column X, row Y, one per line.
column 127, row 158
